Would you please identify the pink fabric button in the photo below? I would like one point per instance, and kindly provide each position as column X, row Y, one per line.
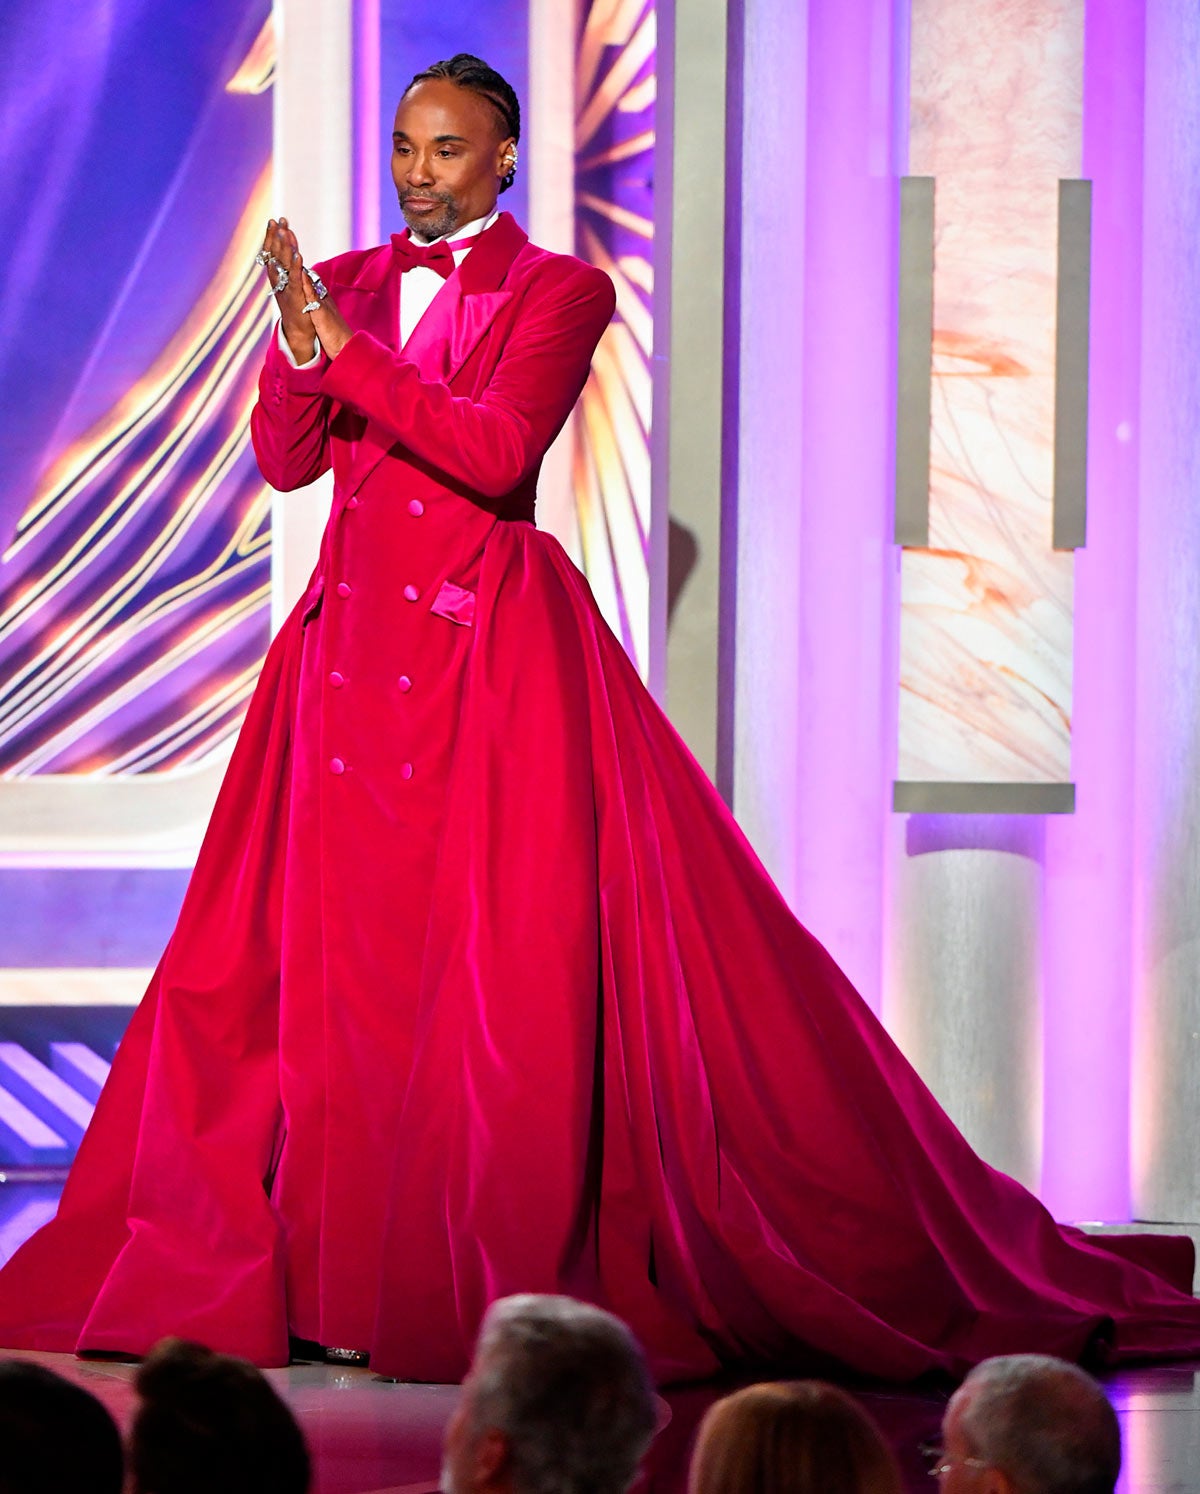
column 336, row 679
column 416, row 507
column 351, row 502
column 404, row 683
column 336, row 765
column 343, row 589
column 411, row 593
column 406, row 770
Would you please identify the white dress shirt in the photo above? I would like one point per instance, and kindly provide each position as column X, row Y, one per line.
column 418, row 287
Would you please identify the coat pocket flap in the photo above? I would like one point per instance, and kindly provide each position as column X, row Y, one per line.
column 455, row 603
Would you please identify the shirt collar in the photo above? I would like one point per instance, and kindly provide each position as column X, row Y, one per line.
column 470, row 230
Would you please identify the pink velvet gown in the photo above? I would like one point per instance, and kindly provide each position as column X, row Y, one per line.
column 478, row 988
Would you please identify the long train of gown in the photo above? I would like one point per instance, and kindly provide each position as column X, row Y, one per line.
column 610, row 1063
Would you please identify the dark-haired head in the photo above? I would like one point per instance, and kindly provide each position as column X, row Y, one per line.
column 466, row 71
column 454, row 145
column 208, row 1421
column 54, row 1435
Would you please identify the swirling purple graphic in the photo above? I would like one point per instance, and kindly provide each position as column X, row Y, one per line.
column 134, row 575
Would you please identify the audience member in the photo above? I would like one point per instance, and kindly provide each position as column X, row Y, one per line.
column 558, row 1401
column 54, row 1436
column 798, row 1438
column 1026, row 1424
column 208, row 1422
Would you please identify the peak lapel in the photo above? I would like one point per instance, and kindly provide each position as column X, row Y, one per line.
column 371, row 302
column 466, row 305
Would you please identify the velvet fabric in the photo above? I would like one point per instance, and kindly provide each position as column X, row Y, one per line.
column 478, row 988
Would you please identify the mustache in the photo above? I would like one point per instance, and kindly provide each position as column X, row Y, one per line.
column 443, row 197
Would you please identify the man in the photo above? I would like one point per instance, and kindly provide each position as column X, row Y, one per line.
column 352, row 945
column 208, row 1421
column 1028, row 1424
column 54, row 1434
column 558, row 1400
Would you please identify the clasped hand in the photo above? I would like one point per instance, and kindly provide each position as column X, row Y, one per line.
column 303, row 313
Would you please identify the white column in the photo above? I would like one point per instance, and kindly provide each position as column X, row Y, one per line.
column 314, row 173
column 548, row 153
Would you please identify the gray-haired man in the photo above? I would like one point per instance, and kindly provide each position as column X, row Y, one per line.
column 1027, row 1424
column 558, row 1400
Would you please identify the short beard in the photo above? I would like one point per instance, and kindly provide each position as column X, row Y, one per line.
column 432, row 225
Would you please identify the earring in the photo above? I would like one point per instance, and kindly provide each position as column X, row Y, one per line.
column 510, row 160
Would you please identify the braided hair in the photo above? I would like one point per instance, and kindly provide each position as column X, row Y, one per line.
column 473, row 73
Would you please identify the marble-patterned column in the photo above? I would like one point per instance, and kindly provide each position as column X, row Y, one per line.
column 986, row 633
column 995, row 117
column 1166, row 1079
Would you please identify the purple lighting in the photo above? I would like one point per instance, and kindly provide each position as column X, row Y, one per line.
column 25, row 1137
column 367, row 165
column 44, row 1092
column 81, row 1067
column 1089, row 856
column 847, row 575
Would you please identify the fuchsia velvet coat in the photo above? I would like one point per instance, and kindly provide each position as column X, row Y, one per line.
column 477, row 987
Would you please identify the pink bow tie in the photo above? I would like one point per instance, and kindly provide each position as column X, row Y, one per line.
column 438, row 256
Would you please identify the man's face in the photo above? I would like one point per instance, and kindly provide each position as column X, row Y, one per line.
column 474, row 1459
column 448, row 151
column 456, row 1449
column 964, row 1472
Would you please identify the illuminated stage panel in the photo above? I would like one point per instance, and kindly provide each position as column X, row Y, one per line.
column 986, row 620
column 614, row 204
column 135, row 543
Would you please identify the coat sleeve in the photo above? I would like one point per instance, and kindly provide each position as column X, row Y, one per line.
column 289, row 425
column 489, row 444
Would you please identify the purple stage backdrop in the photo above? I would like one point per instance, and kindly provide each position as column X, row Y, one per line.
column 135, row 154
column 134, row 161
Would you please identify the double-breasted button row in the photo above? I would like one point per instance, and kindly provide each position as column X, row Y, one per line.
column 337, row 679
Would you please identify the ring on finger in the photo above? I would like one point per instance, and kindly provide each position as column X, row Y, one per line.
column 318, row 285
column 282, row 283
column 311, row 306
column 263, row 258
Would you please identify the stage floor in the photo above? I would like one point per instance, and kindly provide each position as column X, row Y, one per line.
column 369, row 1436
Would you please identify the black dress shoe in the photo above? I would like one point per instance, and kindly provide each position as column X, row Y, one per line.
column 347, row 1356
column 308, row 1351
